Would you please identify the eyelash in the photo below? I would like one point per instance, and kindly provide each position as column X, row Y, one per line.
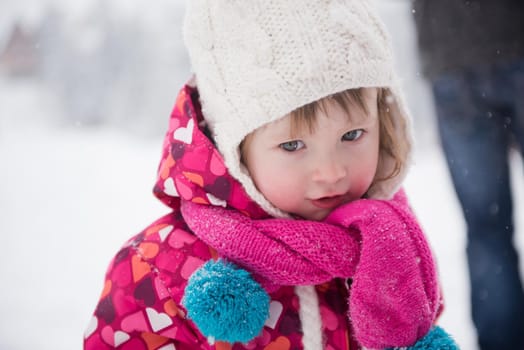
column 359, row 133
column 295, row 145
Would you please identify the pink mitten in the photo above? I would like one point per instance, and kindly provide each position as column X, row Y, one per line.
column 395, row 294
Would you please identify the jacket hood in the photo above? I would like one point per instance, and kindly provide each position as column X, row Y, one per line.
column 191, row 168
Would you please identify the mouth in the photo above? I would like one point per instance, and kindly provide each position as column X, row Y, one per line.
column 328, row 202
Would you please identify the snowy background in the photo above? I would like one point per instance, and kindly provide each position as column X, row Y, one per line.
column 79, row 145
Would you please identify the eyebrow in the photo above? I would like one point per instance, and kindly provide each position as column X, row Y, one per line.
column 307, row 123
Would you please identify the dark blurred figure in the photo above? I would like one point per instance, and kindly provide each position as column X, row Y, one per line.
column 473, row 54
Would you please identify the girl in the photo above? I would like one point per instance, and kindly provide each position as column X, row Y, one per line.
column 283, row 164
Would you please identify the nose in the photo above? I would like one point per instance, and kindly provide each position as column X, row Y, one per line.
column 329, row 170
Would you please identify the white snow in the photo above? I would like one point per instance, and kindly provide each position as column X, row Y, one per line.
column 70, row 196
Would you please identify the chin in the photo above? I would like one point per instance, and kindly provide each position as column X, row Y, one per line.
column 316, row 216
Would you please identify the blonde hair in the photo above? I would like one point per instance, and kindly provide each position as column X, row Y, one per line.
column 392, row 146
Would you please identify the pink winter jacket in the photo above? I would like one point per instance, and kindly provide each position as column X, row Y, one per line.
column 140, row 304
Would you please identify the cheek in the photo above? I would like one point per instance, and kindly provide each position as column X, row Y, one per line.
column 362, row 179
column 369, row 169
column 365, row 173
column 279, row 184
column 271, row 173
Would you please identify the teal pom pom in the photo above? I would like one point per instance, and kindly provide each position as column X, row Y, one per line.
column 436, row 339
column 225, row 302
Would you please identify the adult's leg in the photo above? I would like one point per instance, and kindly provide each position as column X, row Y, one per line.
column 516, row 71
column 475, row 144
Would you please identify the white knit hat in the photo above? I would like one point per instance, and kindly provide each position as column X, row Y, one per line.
column 257, row 60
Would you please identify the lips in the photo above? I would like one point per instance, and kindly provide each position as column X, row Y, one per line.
column 328, row 202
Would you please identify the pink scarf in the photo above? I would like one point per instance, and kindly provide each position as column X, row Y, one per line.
column 394, row 297
column 280, row 252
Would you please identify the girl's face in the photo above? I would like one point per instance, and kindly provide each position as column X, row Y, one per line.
column 312, row 172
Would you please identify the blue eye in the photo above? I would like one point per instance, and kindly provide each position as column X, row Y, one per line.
column 352, row 135
column 291, row 146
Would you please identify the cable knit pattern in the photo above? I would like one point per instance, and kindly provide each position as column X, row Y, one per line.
column 395, row 297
